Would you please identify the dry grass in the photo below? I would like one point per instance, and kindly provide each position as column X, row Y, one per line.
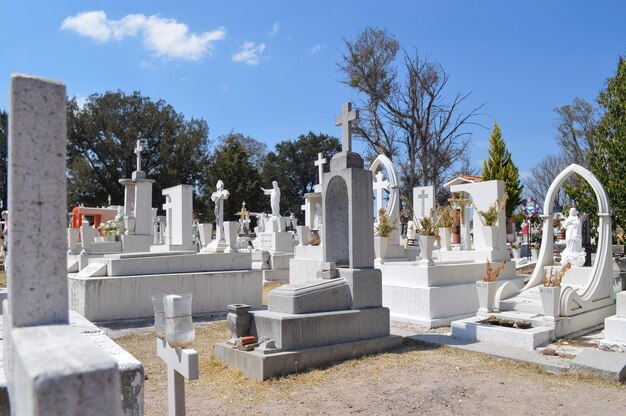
column 269, row 287
column 229, row 385
column 3, row 278
column 491, row 272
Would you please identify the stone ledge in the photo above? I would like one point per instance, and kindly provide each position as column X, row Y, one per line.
column 609, row 365
column 264, row 366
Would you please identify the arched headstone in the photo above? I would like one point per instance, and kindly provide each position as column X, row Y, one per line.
column 393, row 203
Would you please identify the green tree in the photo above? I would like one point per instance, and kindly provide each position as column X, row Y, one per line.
column 499, row 165
column 102, row 136
column 232, row 164
column 607, row 158
column 4, row 137
column 292, row 165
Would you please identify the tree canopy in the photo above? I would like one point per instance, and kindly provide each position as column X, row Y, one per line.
column 291, row 163
column 606, row 157
column 102, row 136
column 232, row 164
column 410, row 116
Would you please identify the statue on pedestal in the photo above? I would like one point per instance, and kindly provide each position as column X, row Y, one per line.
column 219, row 196
column 574, row 252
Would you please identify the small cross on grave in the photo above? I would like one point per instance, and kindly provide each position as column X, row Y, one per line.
column 347, row 115
column 379, row 186
column 181, row 364
column 423, row 197
column 138, row 149
column 320, row 166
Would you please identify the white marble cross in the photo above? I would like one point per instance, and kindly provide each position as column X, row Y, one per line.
column 423, row 195
column 181, row 364
column 347, row 115
column 138, row 149
column 320, row 162
column 379, row 186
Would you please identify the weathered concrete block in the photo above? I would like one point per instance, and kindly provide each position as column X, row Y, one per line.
column 59, row 372
column 610, row 365
column 319, row 296
column 37, row 201
column 365, row 287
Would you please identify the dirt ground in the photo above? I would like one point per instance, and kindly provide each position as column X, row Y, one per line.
column 417, row 379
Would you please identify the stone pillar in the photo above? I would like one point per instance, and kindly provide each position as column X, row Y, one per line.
column 50, row 367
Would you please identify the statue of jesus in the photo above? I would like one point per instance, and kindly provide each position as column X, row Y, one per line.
column 274, row 194
column 218, row 197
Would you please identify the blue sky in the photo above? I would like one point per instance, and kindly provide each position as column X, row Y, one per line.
column 268, row 69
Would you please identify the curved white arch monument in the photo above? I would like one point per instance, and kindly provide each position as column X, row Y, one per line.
column 592, row 289
column 393, row 203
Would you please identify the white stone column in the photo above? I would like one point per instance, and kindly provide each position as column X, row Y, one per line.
column 51, row 368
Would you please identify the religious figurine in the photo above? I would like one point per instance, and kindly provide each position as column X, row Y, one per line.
column 274, row 194
column 574, row 252
column 219, row 196
column 119, row 218
column 317, row 218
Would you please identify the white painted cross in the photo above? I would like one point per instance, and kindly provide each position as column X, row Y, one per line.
column 423, row 195
column 181, row 364
column 320, row 166
column 138, row 149
column 347, row 115
column 379, row 186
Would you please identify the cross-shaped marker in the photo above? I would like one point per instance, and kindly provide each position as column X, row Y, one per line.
column 347, row 115
column 320, row 166
column 379, row 186
column 138, row 149
column 423, row 197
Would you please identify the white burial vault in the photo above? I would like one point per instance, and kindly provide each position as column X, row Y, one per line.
column 583, row 301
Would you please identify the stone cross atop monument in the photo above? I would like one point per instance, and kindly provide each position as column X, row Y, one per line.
column 320, row 162
column 138, row 149
column 380, row 185
column 347, row 115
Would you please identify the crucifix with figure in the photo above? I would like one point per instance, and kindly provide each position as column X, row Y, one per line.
column 347, row 115
column 138, row 149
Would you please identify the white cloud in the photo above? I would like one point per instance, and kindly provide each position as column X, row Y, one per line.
column 525, row 174
column 315, row 49
column 481, row 143
column 224, row 88
column 275, row 28
column 165, row 37
column 250, row 53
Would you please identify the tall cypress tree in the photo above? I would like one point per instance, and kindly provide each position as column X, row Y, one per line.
column 500, row 166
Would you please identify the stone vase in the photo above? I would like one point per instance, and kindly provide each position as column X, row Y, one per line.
column 426, row 247
column 486, row 296
column 238, row 320
column 550, row 299
column 516, row 253
column 206, row 233
column 304, row 235
column 490, row 233
column 534, row 254
column 231, row 229
column 445, row 238
column 380, row 247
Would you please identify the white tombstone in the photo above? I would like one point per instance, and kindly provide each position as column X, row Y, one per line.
column 179, row 215
column 423, row 201
column 206, row 233
column 138, row 209
column 50, row 367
